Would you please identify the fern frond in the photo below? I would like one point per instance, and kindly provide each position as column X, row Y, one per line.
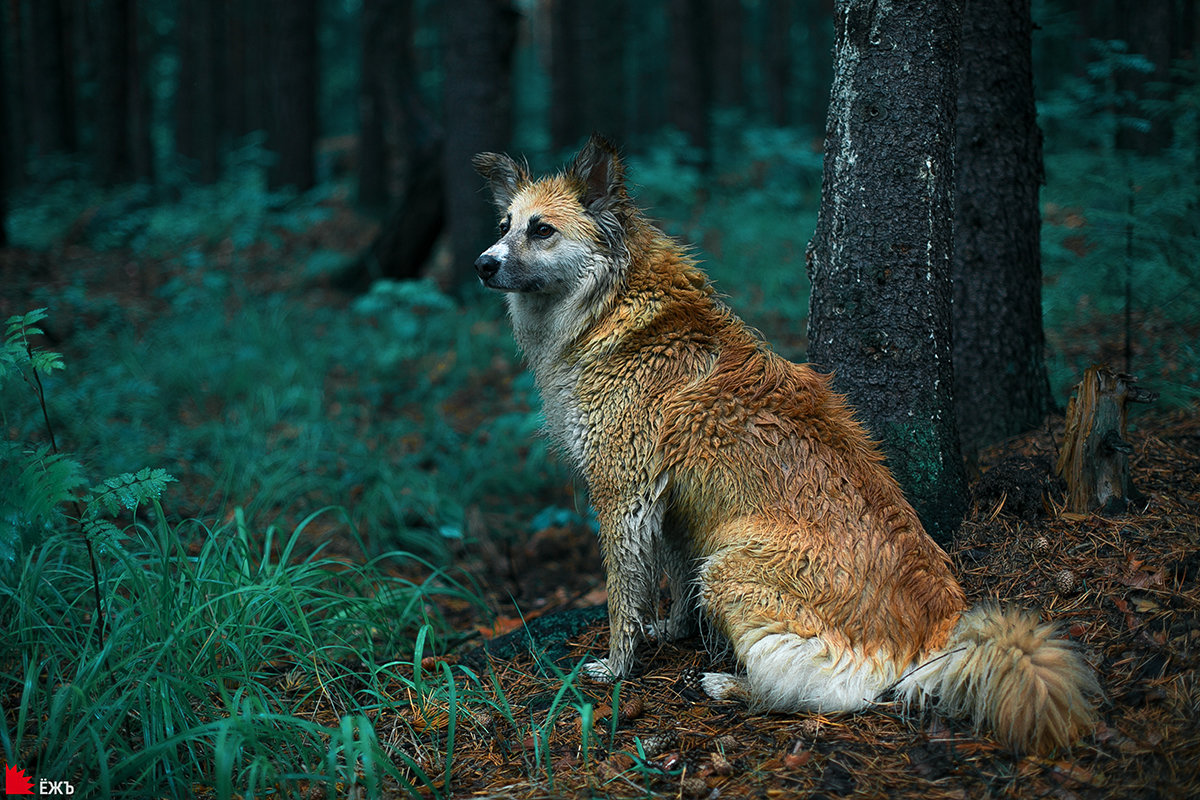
column 127, row 490
column 101, row 531
column 43, row 481
column 16, row 350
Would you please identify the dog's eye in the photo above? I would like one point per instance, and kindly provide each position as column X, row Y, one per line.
column 543, row 231
column 504, row 224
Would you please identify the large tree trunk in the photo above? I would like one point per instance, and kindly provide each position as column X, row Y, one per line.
column 478, row 49
column 1000, row 382
column 880, row 258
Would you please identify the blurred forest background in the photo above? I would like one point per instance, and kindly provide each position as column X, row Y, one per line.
column 252, row 225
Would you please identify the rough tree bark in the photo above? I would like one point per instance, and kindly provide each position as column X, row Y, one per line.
column 879, row 260
column 1000, row 382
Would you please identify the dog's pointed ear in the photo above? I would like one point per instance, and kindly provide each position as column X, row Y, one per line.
column 599, row 167
column 505, row 176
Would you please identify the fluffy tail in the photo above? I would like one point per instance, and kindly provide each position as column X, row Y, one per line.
column 1006, row 671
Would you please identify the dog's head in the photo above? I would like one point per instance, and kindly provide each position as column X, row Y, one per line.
column 556, row 231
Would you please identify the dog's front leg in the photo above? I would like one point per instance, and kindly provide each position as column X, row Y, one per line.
column 630, row 535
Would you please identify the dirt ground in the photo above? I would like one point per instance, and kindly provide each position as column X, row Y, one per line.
column 1126, row 587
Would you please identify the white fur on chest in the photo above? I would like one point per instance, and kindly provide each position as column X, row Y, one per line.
column 543, row 331
column 550, row 326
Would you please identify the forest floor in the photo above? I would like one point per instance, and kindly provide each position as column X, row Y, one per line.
column 1126, row 587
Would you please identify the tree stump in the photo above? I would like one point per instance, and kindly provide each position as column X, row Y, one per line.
column 1094, row 460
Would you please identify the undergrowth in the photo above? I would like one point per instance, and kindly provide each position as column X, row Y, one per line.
column 1121, row 239
column 183, row 659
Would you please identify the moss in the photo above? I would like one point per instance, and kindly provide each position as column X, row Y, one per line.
column 923, row 460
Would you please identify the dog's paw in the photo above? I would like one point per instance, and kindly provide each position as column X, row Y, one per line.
column 723, row 686
column 600, row 671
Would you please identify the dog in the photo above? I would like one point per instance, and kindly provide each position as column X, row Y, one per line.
column 747, row 480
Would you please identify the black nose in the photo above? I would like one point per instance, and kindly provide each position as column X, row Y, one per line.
column 487, row 266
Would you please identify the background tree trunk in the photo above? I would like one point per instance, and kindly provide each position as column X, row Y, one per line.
column 408, row 136
column 587, row 71
column 292, row 134
column 50, row 96
column 1000, row 382
column 602, row 47
column 1151, row 29
column 690, row 82
column 123, row 150
column 726, row 21
column 256, row 88
column 565, row 101
column 477, row 54
column 4, row 124
column 197, row 107
column 647, row 87
column 879, row 260
column 372, row 150
column 778, row 60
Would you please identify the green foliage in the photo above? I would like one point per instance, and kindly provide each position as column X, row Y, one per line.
column 37, row 483
column 217, row 667
column 223, row 647
column 175, row 219
column 18, row 352
column 1118, row 221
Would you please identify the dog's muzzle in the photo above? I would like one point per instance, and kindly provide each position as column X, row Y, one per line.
column 487, row 266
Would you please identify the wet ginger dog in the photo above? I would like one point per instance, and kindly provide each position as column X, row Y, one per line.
column 747, row 480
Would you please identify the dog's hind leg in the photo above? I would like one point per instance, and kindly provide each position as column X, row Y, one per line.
column 791, row 660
